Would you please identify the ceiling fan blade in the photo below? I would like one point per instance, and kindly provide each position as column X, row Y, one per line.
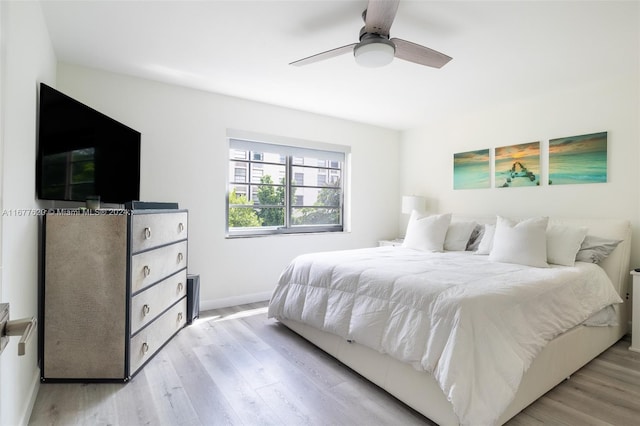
column 379, row 16
column 324, row 55
column 418, row 54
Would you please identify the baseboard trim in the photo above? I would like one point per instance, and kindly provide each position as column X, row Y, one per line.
column 206, row 305
column 33, row 394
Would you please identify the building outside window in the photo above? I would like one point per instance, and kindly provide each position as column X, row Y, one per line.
column 276, row 189
column 71, row 174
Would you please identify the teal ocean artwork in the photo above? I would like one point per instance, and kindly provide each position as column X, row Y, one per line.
column 518, row 165
column 471, row 170
column 578, row 159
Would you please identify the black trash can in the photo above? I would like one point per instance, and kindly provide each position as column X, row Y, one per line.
column 193, row 297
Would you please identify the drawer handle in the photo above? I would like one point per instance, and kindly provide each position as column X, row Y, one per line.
column 147, row 233
column 145, row 348
column 180, row 316
column 146, row 271
column 180, row 287
column 180, row 257
column 146, row 310
column 180, row 227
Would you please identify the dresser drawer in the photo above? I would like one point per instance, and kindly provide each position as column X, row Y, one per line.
column 147, row 305
column 157, row 229
column 152, row 266
column 150, row 339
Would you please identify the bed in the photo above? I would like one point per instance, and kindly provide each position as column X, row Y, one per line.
column 455, row 383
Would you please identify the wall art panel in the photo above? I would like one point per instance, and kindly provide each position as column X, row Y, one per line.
column 471, row 170
column 578, row 159
column 518, row 165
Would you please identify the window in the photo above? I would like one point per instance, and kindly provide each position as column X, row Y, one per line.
column 71, row 173
column 240, row 174
column 275, row 189
column 322, row 178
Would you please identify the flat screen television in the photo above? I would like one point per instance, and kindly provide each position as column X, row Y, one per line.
column 83, row 153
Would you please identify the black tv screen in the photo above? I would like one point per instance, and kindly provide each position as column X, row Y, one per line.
column 84, row 153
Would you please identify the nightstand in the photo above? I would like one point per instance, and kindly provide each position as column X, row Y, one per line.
column 635, row 313
column 394, row 243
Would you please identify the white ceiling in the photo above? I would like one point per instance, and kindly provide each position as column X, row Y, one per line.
column 501, row 50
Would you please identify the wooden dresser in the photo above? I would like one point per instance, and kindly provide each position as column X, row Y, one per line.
column 113, row 291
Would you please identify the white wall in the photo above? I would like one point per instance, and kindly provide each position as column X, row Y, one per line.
column 612, row 106
column 27, row 59
column 184, row 159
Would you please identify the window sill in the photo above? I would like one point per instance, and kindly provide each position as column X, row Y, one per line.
column 281, row 234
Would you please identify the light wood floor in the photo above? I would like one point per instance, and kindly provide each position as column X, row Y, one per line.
column 234, row 366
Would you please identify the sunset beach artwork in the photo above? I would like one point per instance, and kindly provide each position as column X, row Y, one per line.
column 518, row 165
column 471, row 170
column 578, row 159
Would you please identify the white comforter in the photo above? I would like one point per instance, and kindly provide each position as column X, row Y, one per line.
column 475, row 325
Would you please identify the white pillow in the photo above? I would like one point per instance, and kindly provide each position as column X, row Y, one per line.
column 487, row 240
column 458, row 235
column 426, row 233
column 524, row 243
column 563, row 243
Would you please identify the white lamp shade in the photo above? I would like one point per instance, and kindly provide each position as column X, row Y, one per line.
column 413, row 202
column 375, row 54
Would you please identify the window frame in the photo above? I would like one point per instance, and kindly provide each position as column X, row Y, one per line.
column 289, row 149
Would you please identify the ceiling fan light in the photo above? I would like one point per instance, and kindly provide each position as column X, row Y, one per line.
column 374, row 54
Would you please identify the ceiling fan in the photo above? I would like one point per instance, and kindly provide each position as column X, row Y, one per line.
column 375, row 48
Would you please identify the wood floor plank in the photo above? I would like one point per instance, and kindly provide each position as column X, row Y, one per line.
column 311, row 402
column 525, row 419
column 289, row 408
column 621, row 355
column 547, row 411
column 322, row 368
column 319, row 401
column 606, row 387
column 132, row 405
column 572, row 396
column 206, row 397
column 238, row 392
column 624, row 377
column 595, row 401
column 102, row 398
column 241, row 331
column 169, row 398
column 58, row 404
column 388, row 411
column 234, row 366
column 242, row 358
